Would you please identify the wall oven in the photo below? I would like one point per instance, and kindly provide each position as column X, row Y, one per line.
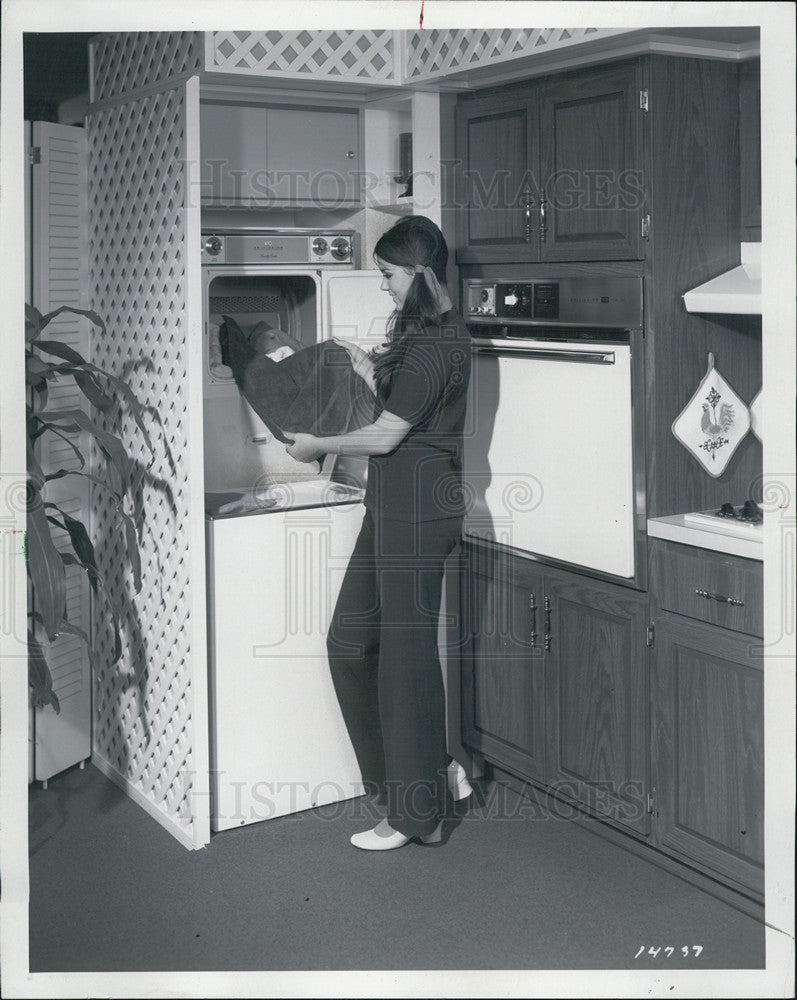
column 554, row 443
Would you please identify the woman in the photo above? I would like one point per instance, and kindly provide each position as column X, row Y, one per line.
column 382, row 641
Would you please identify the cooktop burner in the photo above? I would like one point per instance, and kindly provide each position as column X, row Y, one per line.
column 747, row 519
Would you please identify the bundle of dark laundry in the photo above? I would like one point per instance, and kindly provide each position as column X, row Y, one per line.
column 313, row 391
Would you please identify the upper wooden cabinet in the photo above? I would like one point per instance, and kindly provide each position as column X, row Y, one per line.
column 264, row 156
column 496, row 142
column 552, row 170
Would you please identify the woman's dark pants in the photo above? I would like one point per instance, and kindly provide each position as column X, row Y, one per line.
column 383, row 655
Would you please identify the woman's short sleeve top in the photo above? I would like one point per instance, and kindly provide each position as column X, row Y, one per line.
column 421, row 479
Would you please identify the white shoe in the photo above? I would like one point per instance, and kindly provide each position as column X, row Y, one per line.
column 382, row 838
column 458, row 783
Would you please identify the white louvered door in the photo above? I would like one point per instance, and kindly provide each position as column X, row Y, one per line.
column 58, row 214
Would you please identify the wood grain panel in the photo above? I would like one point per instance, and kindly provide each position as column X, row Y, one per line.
column 694, row 190
column 591, row 164
column 677, row 571
column 503, row 693
column 750, row 149
column 597, row 677
column 496, row 166
column 709, row 749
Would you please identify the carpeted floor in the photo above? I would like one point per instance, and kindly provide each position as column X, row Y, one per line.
column 112, row 891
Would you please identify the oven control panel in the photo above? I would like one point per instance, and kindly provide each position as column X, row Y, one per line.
column 516, row 300
column 272, row 246
column 595, row 301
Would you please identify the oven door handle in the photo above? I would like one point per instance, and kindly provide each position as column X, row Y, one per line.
column 581, row 357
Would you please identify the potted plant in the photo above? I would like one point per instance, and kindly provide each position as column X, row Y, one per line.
column 47, row 360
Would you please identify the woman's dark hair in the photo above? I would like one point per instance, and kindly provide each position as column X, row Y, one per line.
column 414, row 241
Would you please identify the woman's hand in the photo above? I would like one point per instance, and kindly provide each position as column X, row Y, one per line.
column 360, row 361
column 305, row 447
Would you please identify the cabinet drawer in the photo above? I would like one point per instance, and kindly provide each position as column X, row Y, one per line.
column 697, row 583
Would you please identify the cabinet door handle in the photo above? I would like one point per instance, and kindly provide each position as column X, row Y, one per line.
column 533, row 630
column 719, row 597
column 527, row 202
column 543, row 223
column 548, row 635
column 350, row 154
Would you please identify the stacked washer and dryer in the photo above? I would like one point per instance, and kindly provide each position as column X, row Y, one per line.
column 279, row 533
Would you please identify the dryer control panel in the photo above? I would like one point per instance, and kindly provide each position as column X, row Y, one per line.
column 278, row 246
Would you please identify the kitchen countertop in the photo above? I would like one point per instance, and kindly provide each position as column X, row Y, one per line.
column 674, row 528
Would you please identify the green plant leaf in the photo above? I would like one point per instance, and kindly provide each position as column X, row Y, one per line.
column 60, row 350
column 33, row 323
column 110, row 444
column 95, row 319
column 39, row 677
column 98, row 584
column 42, row 391
column 45, row 569
column 97, row 480
column 78, row 536
column 34, row 469
column 68, row 628
column 36, row 370
column 95, row 580
column 33, row 435
column 93, row 393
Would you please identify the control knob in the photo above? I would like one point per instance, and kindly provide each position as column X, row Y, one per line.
column 213, row 246
column 341, row 248
column 320, row 245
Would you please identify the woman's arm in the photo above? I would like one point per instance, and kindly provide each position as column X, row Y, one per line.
column 378, row 438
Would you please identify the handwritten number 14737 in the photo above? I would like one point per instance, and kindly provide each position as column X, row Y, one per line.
column 686, row 951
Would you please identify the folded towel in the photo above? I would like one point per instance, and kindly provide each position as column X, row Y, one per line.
column 314, row 391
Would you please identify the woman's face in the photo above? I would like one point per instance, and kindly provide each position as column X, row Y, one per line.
column 396, row 280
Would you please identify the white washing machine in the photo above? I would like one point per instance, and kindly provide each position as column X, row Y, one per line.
column 278, row 740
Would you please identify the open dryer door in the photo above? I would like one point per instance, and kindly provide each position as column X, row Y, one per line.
column 354, row 307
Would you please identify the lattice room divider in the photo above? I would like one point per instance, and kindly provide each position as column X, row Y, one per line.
column 365, row 56
column 127, row 61
column 150, row 713
column 439, row 53
column 382, row 57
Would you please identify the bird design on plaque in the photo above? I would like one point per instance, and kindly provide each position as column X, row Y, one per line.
column 713, row 422
column 714, row 425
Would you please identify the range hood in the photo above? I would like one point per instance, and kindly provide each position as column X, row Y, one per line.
column 735, row 291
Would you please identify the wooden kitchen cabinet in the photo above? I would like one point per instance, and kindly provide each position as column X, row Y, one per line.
column 494, row 137
column 591, row 165
column 648, row 719
column 503, row 677
column 597, row 683
column 555, row 682
column 708, row 750
column 279, row 156
column 552, row 170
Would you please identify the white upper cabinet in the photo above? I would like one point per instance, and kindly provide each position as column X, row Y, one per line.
column 267, row 156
